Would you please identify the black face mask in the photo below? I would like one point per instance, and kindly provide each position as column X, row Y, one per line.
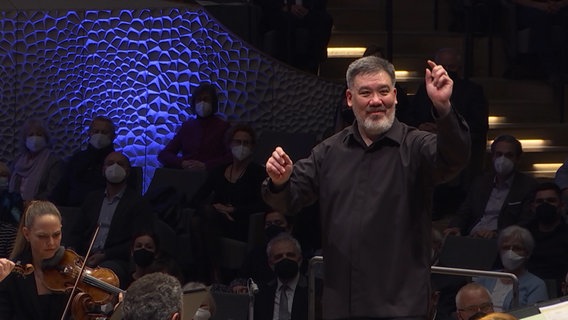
column 546, row 213
column 286, row 269
column 272, row 231
column 143, row 257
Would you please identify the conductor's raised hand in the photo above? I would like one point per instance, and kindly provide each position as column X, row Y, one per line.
column 439, row 87
column 279, row 167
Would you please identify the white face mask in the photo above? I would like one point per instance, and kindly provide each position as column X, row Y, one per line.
column 203, row 109
column 115, row 173
column 202, row 314
column 511, row 260
column 35, row 143
column 240, row 152
column 503, row 166
column 99, row 140
column 4, row 182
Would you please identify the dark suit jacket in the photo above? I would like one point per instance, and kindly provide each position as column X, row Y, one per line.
column 19, row 299
column 264, row 301
column 515, row 206
column 132, row 215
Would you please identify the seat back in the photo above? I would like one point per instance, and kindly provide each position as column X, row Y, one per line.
column 69, row 217
column 233, row 253
column 185, row 181
column 256, row 230
column 296, row 145
column 469, row 253
column 230, row 306
column 136, row 179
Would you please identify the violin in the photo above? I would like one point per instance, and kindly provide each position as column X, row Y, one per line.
column 23, row 270
column 95, row 287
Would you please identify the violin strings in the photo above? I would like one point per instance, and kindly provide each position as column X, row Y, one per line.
column 95, row 282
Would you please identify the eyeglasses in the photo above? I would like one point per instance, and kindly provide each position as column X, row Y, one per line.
column 238, row 142
column 484, row 307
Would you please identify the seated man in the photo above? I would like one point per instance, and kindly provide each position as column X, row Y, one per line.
column 11, row 208
column 498, row 198
column 83, row 168
column 119, row 211
column 549, row 260
column 286, row 296
column 256, row 263
column 471, row 300
column 155, row 296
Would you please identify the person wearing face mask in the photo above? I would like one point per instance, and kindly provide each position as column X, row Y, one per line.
column 470, row 101
column 230, row 195
column 83, row 168
column 37, row 171
column 11, row 208
column 497, row 199
column 549, row 260
column 200, row 140
column 286, row 296
column 256, row 262
column 516, row 245
column 119, row 211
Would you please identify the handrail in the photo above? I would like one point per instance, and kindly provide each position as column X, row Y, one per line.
column 434, row 269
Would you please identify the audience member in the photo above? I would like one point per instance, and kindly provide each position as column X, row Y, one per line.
column 83, row 169
column 471, row 300
column 373, row 180
column 549, row 260
column 11, row 208
column 208, row 306
column 561, row 179
column 155, row 296
column 39, row 238
column 201, row 140
column 468, row 98
column 256, row 263
column 147, row 257
column 516, row 246
column 289, row 18
column 286, row 296
column 119, row 211
column 498, row 198
column 229, row 196
column 37, row 170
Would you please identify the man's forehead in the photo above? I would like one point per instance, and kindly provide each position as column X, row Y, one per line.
column 100, row 125
column 546, row 194
column 371, row 79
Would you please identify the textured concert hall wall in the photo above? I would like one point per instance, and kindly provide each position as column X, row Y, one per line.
column 139, row 67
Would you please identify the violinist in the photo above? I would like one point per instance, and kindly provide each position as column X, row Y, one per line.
column 38, row 238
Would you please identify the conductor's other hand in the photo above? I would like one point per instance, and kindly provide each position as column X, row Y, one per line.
column 439, row 87
column 279, row 167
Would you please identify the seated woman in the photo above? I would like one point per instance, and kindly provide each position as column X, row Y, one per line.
column 516, row 245
column 200, row 140
column 230, row 195
column 37, row 170
column 148, row 258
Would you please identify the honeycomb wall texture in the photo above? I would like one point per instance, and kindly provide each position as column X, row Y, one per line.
column 139, row 66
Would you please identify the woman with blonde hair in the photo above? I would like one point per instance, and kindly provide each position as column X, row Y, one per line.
column 38, row 239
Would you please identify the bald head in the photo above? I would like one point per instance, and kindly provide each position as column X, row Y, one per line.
column 471, row 299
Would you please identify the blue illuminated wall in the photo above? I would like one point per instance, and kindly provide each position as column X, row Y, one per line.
column 138, row 66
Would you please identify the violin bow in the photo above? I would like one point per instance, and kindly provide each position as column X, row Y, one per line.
column 80, row 273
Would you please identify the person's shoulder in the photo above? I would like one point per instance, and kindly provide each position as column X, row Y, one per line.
column 525, row 179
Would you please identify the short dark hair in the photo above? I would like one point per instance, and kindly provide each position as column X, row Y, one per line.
column 509, row 139
column 547, row 185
